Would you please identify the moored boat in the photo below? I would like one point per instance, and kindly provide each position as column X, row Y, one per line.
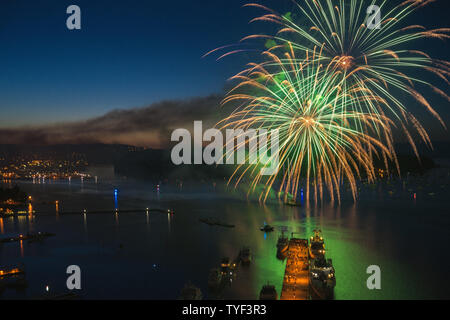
column 293, row 203
column 268, row 292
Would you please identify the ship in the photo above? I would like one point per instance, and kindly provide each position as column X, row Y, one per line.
column 10, row 272
column 190, row 292
column 245, row 256
column 268, row 292
column 322, row 278
column 316, row 245
column 214, row 278
column 282, row 246
column 207, row 221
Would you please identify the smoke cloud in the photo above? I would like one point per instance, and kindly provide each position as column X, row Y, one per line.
column 146, row 127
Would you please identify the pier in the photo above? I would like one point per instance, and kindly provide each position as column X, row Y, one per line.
column 296, row 281
column 85, row 211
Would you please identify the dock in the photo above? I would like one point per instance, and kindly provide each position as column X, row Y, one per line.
column 85, row 211
column 29, row 236
column 296, row 280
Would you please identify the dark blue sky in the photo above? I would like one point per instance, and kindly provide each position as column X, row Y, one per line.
column 128, row 54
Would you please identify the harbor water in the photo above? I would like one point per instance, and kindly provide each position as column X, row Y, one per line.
column 151, row 255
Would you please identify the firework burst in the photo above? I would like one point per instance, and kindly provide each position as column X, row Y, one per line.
column 368, row 58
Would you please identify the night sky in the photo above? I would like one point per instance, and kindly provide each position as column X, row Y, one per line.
column 128, row 54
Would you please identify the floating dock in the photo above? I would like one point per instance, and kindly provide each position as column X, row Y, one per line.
column 296, row 280
column 29, row 236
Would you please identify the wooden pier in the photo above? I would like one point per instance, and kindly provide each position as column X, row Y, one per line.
column 296, row 281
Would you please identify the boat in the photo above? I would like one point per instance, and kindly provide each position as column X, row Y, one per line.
column 267, row 228
column 268, row 292
column 322, row 278
column 214, row 278
column 227, row 268
column 40, row 236
column 213, row 222
column 282, row 246
column 221, row 224
column 316, row 245
column 245, row 256
column 293, row 203
column 190, row 292
column 13, row 277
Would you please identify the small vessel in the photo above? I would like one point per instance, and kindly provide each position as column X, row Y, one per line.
column 10, row 272
column 214, row 278
column 293, row 203
column 322, row 278
column 282, row 246
column 61, row 296
column 29, row 236
column 245, row 256
column 267, row 228
column 190, row 292
column 316, row 245
column 268, row 292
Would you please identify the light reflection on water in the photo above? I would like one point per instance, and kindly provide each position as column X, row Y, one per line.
column 139, row 259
